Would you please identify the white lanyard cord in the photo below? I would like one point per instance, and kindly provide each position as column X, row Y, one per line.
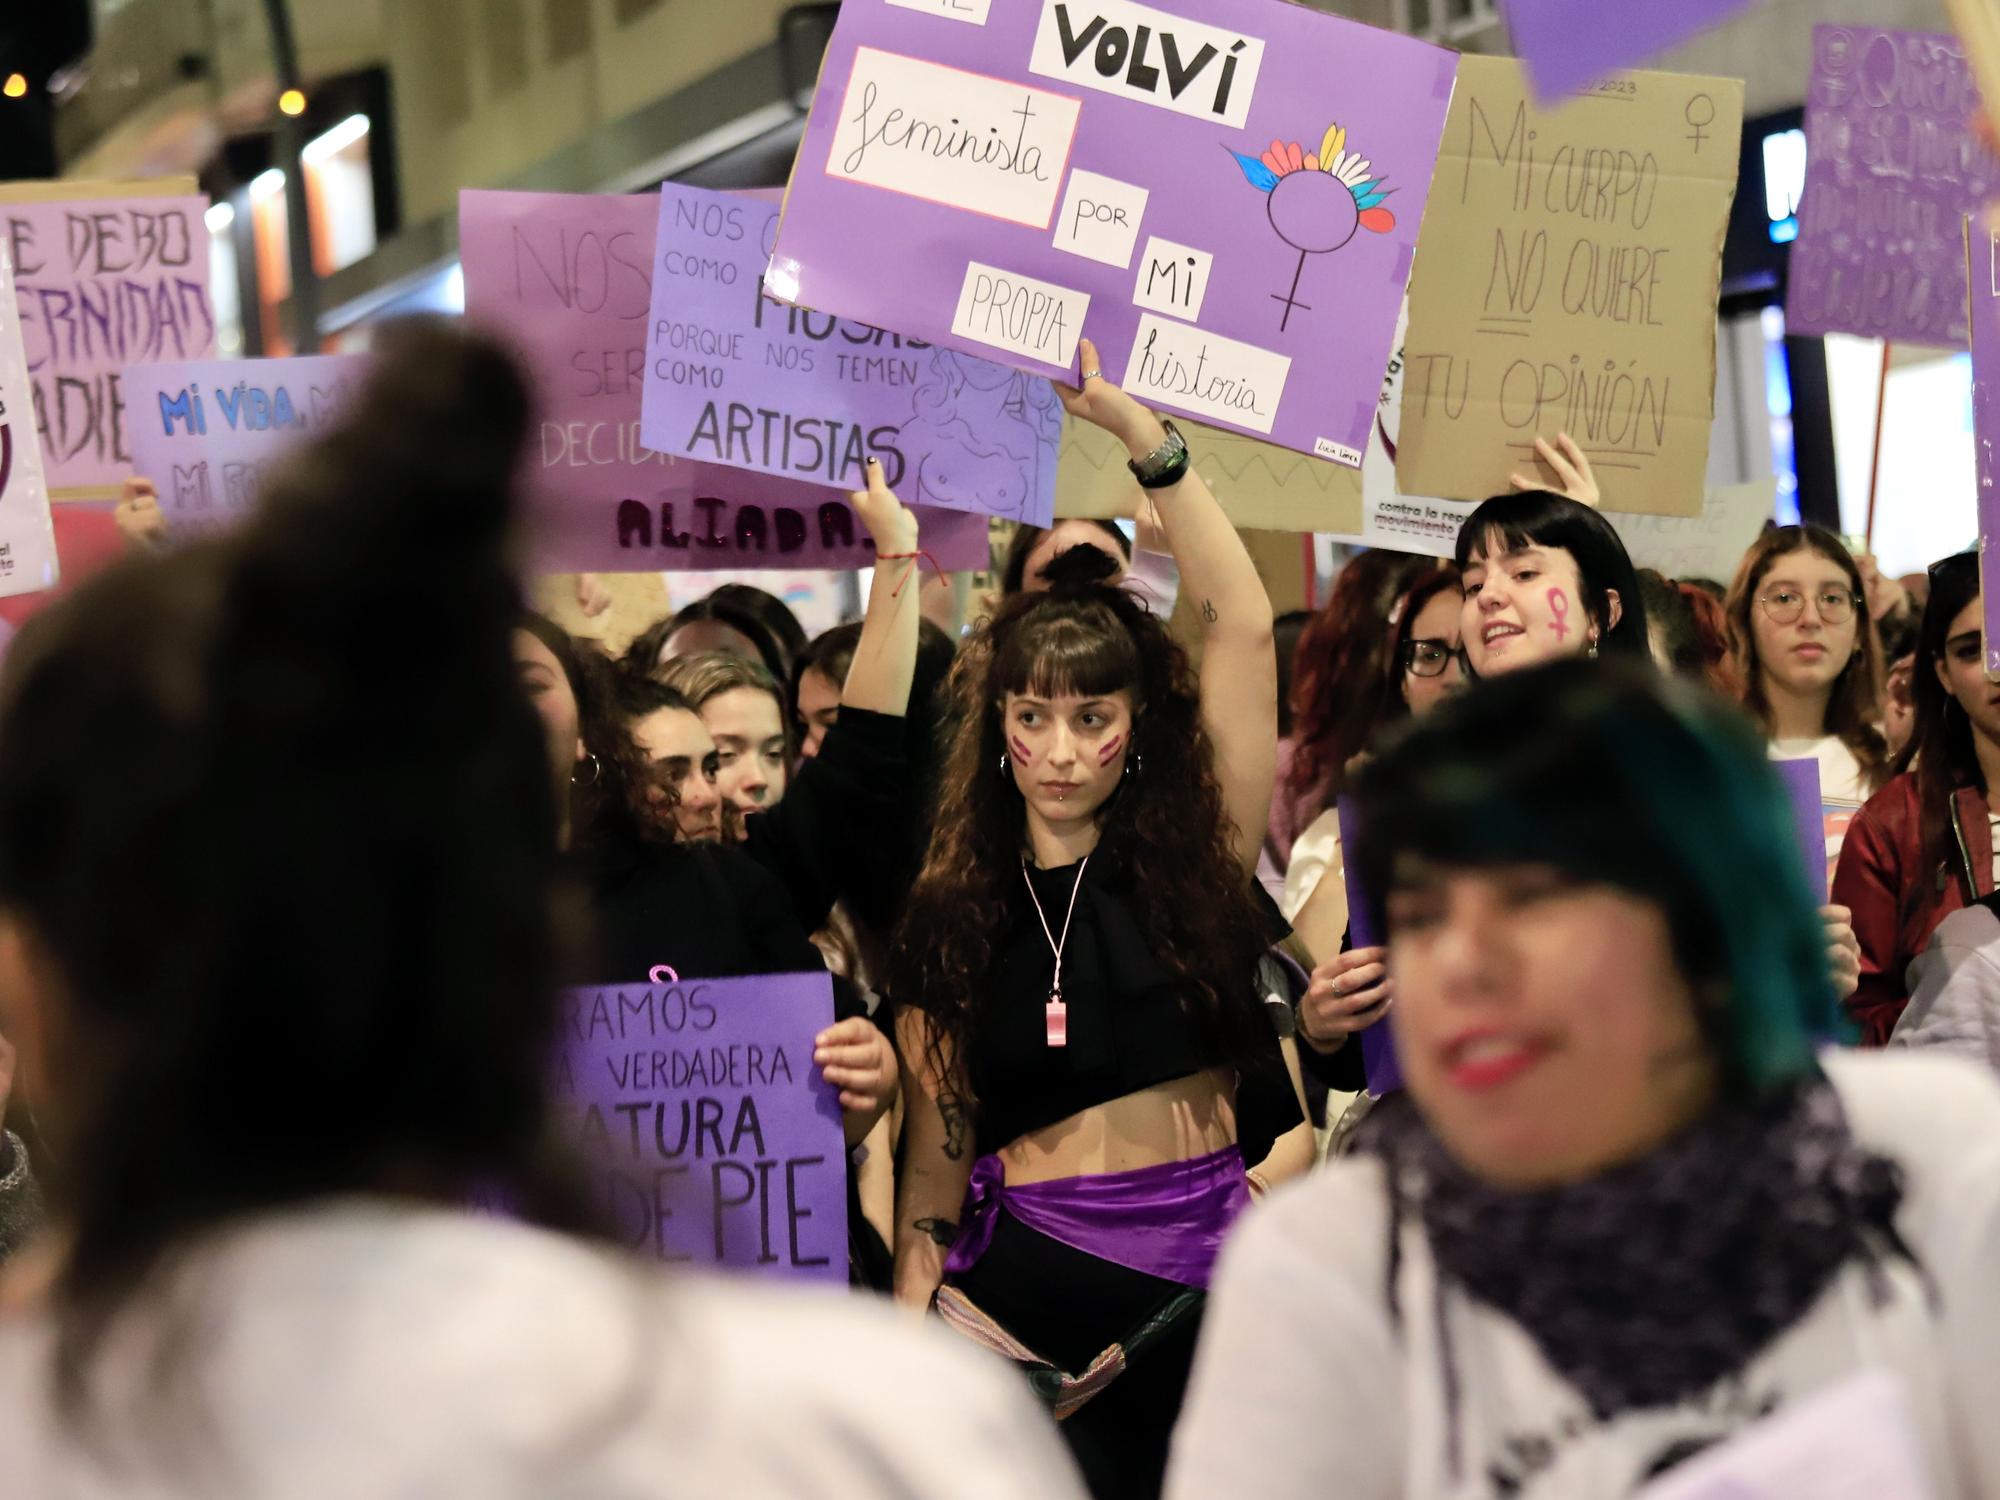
column 1056, row 945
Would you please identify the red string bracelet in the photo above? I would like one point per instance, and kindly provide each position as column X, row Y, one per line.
column 912, row 559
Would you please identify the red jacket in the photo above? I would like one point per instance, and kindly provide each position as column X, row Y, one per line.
column 1897, row 904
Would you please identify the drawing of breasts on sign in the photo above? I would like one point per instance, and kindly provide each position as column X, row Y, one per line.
column 1227, row 194
column 1892, row 170
column 734, row 379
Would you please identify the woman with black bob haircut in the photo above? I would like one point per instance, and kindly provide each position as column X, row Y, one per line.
column 1635, row 1209
column 276, row 945
column 1089, row 1068
column 1545, row 576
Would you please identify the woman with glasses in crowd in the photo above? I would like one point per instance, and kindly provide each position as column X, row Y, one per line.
column 1809, row 660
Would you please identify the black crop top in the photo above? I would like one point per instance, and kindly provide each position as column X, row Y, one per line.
column 1127, row 1030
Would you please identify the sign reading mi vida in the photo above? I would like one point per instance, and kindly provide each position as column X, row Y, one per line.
column 1892, row 172
column 1224, row 196
column 733, row 378
column 1575, row 289
column 206, row 432
column 105, row 276
column 708, row 1133
column 567, row 278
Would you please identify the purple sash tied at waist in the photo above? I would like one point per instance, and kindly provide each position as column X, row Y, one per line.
column 1166, row 1221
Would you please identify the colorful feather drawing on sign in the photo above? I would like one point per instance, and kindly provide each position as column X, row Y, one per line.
column 1318, row 200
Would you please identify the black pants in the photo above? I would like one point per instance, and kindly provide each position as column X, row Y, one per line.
column 1068, row 1307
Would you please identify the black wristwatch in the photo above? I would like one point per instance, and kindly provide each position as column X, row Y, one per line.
column 1165, row 465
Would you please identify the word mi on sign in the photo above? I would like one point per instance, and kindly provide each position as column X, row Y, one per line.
column 194, row 488
column 1150, row 57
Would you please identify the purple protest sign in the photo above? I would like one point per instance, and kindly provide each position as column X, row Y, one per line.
column 1228, row 206
column 204, row 431
column 732, row 378
column 1366, row 929
column 708, row 1131
column 1982, row 274
column 105, row 275
column 567, row 278
column 1801, row 779
column 1892, row 172
column 1566, row 45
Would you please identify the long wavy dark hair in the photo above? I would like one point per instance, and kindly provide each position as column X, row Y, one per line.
column 1856, row 705
column 300, row 901
column 1940, row 751
column 1164, row 830
column 1338, row 671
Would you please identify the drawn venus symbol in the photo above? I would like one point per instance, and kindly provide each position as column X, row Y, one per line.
column 1317, row 200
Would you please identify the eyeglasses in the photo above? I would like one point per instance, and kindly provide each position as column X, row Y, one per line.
column 1785, row 606
column 1427, row 657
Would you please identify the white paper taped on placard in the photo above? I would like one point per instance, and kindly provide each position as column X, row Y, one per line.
column 28, row 561
column 973, row 11
column 1204, row 372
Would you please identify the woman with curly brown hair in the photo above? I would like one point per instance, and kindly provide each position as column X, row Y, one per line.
column 1088, row 1066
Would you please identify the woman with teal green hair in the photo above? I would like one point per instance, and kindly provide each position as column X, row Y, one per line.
column 1640, row 1202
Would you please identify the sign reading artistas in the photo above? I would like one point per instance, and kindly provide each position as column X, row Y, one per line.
column 1229, row 202
column 710, row 1134
column 734, row 378
column 568, row 279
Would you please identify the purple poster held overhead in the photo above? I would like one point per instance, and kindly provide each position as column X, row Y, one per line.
column 567, row 277
column 205, row 431
column 1892, row 172
column 1223, row 194
column 1566, row 45
column 733, row 378
column 708, row 1131
column 106, row 275
column 1982, row 244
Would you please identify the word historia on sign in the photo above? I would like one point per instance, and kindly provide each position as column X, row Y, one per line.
column 1225, row 196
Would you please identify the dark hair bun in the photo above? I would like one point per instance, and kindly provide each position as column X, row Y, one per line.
column 1086, row 565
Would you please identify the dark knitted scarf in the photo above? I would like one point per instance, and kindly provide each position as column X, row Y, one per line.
column 1648, row 1284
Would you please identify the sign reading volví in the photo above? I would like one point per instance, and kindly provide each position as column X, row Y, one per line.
column 28, row 559
column 1892, row 172
column 709, row 1132
column 1225, row 193
column 1982, row 257
column 206, row 431
column 734, row 378
column 567, row 277
column 105, row 275
column 1571, row 286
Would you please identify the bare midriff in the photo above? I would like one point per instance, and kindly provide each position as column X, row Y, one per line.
column 1174, row 1121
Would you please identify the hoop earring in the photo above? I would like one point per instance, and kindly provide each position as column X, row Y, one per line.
column 596, row 772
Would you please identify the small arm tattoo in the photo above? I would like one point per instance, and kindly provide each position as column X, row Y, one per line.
column 1208, row 611
column 941, row 1231
column 957, row 1127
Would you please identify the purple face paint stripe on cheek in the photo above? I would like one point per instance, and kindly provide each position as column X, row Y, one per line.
column 1021, row 751
column 1105, row 756
column 1559, row 607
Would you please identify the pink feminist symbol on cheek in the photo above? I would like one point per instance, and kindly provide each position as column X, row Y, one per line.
column 1110, row 751
column 1559, row 607
column 1021, row 751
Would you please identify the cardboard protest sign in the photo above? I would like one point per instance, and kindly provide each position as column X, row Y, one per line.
column 1570, row 281
column 732, row 378
column 1260, row 486
column 28, row 559
column 1570, row 44
column 1709, row 545
column 567, row 278
column 106, row 274
column 1892, row 171
column 1227, row 205
column 1982, row 255
column 707, row 1130
column 205, row 431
